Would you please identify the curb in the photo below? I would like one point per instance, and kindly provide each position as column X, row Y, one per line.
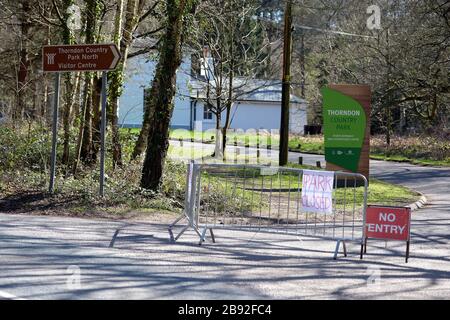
column 419, row 203
column 306, row 152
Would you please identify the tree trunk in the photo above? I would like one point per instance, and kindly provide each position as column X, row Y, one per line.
column 24, row 62
column 96, row 119
column 69, row 88
column 285, row 99
column 123, row 39
column 92, row 19
column 116, row 146
column 86, row 141
column 84, row 109
column 76, row 103
column 229, row 102
column 218, row 150
column 161, row 98
column 389, row 92
column 44, row 101
column 66, row 118
column 226, row 127
column 141, row 142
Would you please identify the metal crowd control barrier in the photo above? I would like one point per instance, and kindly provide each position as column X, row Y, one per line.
column 268, row 199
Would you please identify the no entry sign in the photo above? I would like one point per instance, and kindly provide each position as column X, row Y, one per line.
column 85, row 57
column 388, row 223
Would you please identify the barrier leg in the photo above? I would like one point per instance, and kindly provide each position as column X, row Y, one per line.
column 336, row 251
column 171, row 235
column 407, row 251
column 203, row 236
column 365, row 246
column 344, row 247
column 181, row 232
column 213, row 238
column 183, row 216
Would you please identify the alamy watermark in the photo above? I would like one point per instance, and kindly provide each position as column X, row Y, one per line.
column 73, row 281
column 251, row 146
column 74, row 17
column 374, row 20
column 374, row 277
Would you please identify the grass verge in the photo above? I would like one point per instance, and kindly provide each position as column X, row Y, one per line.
column 24, row 181
column 424, row 150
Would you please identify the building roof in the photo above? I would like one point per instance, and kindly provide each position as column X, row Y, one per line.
column 244, row 90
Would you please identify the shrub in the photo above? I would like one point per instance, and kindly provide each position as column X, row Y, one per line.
column 24, row 168
column 25, row 149
column 413, row 147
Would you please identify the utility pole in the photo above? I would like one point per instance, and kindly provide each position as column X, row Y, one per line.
column 286, row 86
column 389, row 96
column 302, row 64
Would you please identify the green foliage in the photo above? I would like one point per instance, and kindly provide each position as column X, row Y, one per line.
column 424, row 149
column 27, row 148
column 421, row 149
column 115, row 81
column 238, row 191
column 310, row 144
column 67, row 35
column 24, row 168
column 220, row 199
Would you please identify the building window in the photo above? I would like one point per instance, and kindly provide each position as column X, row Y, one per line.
column 207, row 113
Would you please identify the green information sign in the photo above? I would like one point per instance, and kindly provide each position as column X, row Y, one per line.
column 344, row 121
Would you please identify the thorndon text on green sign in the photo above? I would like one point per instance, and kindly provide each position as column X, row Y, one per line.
column 344, row 122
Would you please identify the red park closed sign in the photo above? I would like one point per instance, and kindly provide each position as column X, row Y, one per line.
column 388, row 223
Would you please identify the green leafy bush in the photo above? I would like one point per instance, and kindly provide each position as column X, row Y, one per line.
column 24, row 149
column 24, row 168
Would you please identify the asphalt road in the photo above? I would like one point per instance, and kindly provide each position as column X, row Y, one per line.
column 68, row 258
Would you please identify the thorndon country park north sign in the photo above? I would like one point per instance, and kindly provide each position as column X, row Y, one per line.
column 346, row 123
column 86, row 57
column 76, row 58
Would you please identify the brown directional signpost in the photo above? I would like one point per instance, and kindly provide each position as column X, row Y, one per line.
column 84, row 57
column 75, row 58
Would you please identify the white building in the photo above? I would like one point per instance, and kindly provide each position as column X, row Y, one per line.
column 138, row 77
column 257, row 106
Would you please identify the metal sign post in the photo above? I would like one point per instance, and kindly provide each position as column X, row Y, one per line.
column 103, row 133
column 54, row 135
column 74, row 58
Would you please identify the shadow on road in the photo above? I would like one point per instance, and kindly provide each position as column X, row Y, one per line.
column 143, row 264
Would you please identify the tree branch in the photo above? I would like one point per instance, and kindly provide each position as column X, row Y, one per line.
column 148, row 12
column 58, row 14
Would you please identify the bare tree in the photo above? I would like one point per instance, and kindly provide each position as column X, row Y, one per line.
column 232, row 49
column 123, row 37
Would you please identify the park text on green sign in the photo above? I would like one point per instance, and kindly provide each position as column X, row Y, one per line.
column 344, row 122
